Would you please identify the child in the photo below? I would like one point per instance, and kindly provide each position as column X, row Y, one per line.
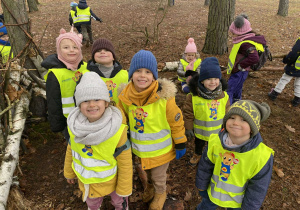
column 205, row 108
column 5, row 47
column 73, row 6
column 235, row 169
column 97, row 134
column 242, row 56
column 64, row 70
column 292, row 69
column 105, row 64
column 188, row 65
column 155, row 122
column 82, row 19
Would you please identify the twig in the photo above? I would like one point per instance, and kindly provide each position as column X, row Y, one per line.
column 9, row 111
column 9, row 107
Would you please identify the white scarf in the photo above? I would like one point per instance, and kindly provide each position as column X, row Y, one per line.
column 96, row 132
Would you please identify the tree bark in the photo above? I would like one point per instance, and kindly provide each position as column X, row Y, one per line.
column 32, row 5
column 206, row 2
column 220, row 16
column 283, row 8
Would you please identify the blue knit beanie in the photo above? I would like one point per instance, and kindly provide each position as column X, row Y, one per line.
column 143, row 59
column 210, row 68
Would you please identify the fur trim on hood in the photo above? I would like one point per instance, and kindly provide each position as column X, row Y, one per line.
column 166, row 90
column 193, row 84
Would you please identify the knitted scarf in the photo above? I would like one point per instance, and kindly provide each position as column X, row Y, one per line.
column 242, row 37
column 96, row 132
column 208, row 94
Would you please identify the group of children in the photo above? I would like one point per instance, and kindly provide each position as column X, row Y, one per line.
column 107, row 113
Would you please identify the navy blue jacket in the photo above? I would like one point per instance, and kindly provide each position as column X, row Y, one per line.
column 257, row 186
column 290, row 60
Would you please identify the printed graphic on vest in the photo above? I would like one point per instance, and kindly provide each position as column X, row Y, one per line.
column 78, row 74
column 228, row 162
column 111, row 88
column 88, row 149
column 213, row 107
column 139, row 116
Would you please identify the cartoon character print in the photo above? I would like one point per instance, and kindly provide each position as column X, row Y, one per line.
column 228, row 161
column 88, row 149
column 78, row 74
column 213, row 107
column 111, row 88
column 139, row 116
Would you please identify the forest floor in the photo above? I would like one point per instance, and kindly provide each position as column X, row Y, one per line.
column 124, row 22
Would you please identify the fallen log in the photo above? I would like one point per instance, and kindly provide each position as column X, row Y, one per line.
column 11, row 152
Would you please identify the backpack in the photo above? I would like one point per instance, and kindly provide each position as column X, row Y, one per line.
column 263, row 57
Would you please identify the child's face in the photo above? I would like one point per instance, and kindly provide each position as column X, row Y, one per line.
column 211, row 83
column 93, row 109
column 104, row 57
column 142, row 79
column 238, row 129
column 190, row 56
column 69, row 50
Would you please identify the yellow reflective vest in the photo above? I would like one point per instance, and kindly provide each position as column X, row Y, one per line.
column 5, row 50
column 72, row 12
column 114, row 83
column 235, row 49
column 232, row 171
column 208, row 115
column 67, row 80
column 185, row 64
column 82, row 15
column 95, row 163
column 297, row 64
column 150, row 132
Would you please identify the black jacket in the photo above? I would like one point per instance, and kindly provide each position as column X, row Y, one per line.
column 57, row 120
column 93, row 67
column 290, row 60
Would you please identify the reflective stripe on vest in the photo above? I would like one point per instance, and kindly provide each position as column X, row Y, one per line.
column 82, row 15
column 185, row 64
column 114, row 83
column 208, row 115
column 232, row 171
column 234, row 52
column 5, row 50
column 67, row 80
column 95, row 163
column 150, row 132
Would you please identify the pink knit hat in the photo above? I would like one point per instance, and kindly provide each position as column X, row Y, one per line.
column 191, row 46
column 240, row 25
column 77, row 39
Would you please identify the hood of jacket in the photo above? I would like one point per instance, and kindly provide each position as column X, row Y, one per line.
column 82, row 5
column 193, row 84
column 165, row 89
column 93, row 67
column 259, row 39
column 251, row 144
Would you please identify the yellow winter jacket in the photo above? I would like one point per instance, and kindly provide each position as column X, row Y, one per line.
column 120, row 183
column 159, row 89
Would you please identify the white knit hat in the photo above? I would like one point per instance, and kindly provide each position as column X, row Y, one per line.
column 91, row 87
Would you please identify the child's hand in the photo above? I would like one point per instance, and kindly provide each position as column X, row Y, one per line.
column 189, row 134
column 71, row 181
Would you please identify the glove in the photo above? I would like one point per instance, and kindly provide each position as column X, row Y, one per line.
column 180, row 153
column 180, row 150
column 100, row 20
column 240, row 68
column 189, row 134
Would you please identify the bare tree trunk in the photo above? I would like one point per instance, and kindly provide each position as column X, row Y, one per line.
column 32, row 5
column 220, row 16
column 283, row 8
column 206, row 2
column 17, row 24
column 171, row 2
column 37, row 2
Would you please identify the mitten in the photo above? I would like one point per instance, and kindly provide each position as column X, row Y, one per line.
column 189, row 134
column 180, row 150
